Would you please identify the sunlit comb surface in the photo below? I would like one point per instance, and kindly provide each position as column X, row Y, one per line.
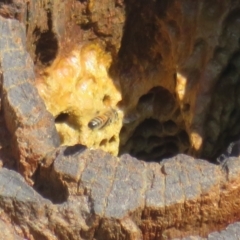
column 80, row 94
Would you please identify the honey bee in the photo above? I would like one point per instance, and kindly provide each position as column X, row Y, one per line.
column 103, row 120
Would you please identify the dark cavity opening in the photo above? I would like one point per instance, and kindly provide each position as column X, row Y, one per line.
column 73, row 150
column 46, row 43
column 153, row 140
column 112, row 139
column 49, row 186
column 160, row 133
column 106, row 100
column 103, row 142
column 157, row 103
column 62, row 117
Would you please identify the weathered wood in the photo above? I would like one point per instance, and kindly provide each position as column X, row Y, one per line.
column 90, row 194
column 31, row 127
column 110, row 198
column 7, row 231
column 178, row 197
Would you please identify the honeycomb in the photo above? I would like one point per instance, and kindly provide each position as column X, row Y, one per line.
column 158, row 131
column 86, row 104
column 77, row 89
column 172, row 78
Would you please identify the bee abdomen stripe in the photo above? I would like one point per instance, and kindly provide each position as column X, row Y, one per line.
column 103, row 120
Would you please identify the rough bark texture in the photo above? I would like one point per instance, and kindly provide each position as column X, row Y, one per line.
column 79, row 193
column 171, row 60
column 31, row 127
column 96, row 196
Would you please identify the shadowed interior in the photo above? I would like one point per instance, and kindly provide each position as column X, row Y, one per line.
column 172, row 85
column 157, row 132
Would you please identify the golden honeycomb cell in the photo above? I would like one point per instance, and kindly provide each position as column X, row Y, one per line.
column 76, row 89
